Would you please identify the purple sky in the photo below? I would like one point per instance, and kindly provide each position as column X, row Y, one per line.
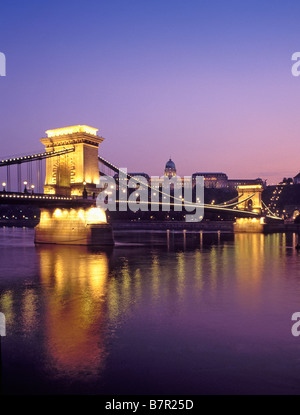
column 207, row 82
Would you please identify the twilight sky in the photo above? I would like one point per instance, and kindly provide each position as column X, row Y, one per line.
column 207, row 82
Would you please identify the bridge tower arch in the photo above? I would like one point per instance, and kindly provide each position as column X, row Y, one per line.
column 252, row 194
column 251, row 197
column 69, row 174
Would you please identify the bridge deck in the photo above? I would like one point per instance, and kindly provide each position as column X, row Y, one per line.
column 43, row 200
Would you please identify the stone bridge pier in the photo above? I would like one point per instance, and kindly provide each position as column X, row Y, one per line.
column 75, row 173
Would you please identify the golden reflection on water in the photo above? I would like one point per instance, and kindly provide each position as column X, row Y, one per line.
column 126, row 285
column 258, row 257
column 75, row 310
column 84, row 295
column 29, row 311
column 198, row 269
column 138, row 284
column 249, row 265
column 113, row 300
column 156, row 275
column 6, row 302
column 214, row 259
column 181, row 274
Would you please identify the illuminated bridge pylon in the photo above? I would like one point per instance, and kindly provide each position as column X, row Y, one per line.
column 251, row 196
column 74, row 173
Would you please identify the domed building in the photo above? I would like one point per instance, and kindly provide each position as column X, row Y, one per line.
column 170, row 169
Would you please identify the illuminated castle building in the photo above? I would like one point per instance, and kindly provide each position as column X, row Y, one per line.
column 213, row 180
column 170, row 169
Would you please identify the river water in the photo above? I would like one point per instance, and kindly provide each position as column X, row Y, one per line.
column 160, row 313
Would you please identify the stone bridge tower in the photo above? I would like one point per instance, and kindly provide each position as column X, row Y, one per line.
column 70, row 173
column 253, row 204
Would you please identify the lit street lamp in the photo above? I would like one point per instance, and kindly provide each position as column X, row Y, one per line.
column 32, row 188
column 25, row 188
column 84, row 193
column 4, row 185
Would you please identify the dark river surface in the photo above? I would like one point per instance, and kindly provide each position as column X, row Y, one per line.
column 160, row 313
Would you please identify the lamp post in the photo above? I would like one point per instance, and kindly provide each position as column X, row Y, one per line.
column 84, row 193
column 25, row 187
column 32, row 188
column 4, row 185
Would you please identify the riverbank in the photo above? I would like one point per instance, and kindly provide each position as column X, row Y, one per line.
column 208, row 226
column 281, row 227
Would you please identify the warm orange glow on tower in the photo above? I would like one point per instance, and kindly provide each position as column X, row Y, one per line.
column 66, row 174
column 253, row 195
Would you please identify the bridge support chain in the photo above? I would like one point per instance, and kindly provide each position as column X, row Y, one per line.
column 39, row 175
column 8, row 180
column 74, row 227
column 19, row 177
column 29, row 174
column 249, row 225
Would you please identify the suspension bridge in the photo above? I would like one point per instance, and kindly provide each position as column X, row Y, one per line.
column 106, row 168
column 67, row 174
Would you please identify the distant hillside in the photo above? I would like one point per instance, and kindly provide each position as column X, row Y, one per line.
column 279, row 196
